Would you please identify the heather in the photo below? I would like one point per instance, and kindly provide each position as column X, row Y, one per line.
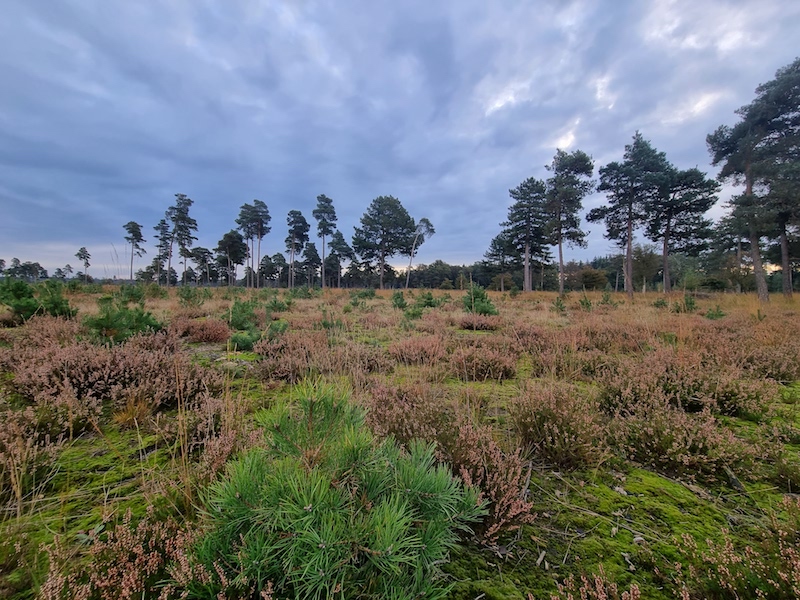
column 237, row 443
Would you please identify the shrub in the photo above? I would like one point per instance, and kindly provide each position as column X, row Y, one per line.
column 51, row 298
column 478, row 322
column 594, row 587
column 399, row 301
column 127, row 293
column 27, row 454
column 243, row 341
column 74, row 383
column 408, row 411
column 715, row 313
column 117, row 322
column 193, row 297
column 427, row 300
column 365, row 294
column 427, row 349
column 275, row 304
column 728, row 570
column 18, row 296
column 328, row 511
column 292, row 356
column 476, row 300
column 561, row 423
column 481, row 364
column 125, row 562
column 204, row 331
column 303, row 293
column 558, row 306
column 500, row 476
column 242, row 314
column 676, row 443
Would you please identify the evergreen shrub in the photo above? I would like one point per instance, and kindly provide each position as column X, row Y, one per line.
column 328, row 511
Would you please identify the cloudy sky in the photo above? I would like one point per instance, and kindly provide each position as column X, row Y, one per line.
column 110, row 107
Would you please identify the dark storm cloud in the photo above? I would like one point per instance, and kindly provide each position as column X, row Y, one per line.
column 107, row 109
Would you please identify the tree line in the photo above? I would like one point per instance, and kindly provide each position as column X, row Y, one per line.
column 645, row 194
column 387, row 230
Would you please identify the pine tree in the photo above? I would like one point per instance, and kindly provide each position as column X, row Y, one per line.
column 325, row 215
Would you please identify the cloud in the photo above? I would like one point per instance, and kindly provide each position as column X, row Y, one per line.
column 109, row 109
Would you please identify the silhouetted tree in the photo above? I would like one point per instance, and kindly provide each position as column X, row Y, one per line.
column 135, row 239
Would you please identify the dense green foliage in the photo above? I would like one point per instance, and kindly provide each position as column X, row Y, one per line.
column 477, row 301
column 117, row 321
column 25, row 300
column 328, row 511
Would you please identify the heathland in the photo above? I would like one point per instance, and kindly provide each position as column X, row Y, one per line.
column 234, row 443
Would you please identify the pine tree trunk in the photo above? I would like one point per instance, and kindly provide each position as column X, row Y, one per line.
column 785, row 264
column 755, row 250
column 169, row 264
column 665, row 256
column 258, row 258
column 758, row 266
column 382, row 258
column 560, row 266
column 131, row 264
column 322, row 268
column 526, row 278
column 739, row 265
column 629, row 259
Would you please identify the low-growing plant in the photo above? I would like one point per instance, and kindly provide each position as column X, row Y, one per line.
column 275, row 304
column 292, row 356
column 500, row 476
column 329, row 321
column 607, row 301
column 558, row 306
column 714, row 313
column 661, row 303
column 242, row 314
column 598, row 586
column 205, row 331
column 476, row 300
column 277, row 328
column 365, row 294
column 728, row 569
column 688, row 305
column 412, row 313
column 117, row 322
column 560, row 423
column 472, row 363
column 585, row 303
column 243, row 341
column 193, row 297
column 426, row 299
column 418, row 350
column 25, row 301
column 328, row 511
column 476, row 322
column 27, row 454
column 399, row 301
column 127, row 293
column 676, row 443
column 125, row 562
column 303, row 293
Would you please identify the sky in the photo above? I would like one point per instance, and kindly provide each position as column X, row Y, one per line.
column 108, row 108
